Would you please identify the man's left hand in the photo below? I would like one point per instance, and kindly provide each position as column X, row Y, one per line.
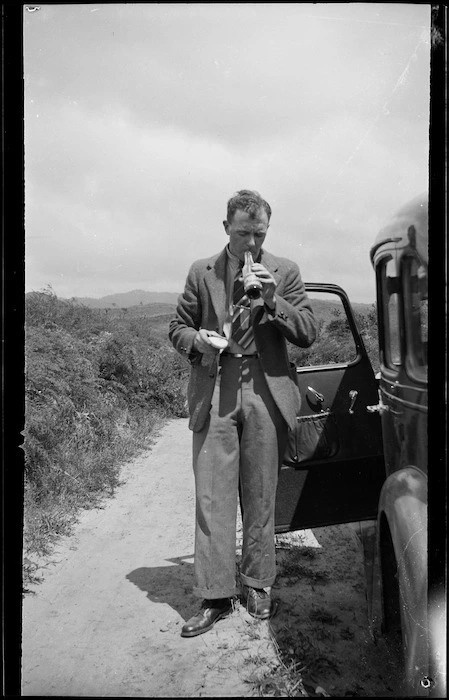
column 269, row 284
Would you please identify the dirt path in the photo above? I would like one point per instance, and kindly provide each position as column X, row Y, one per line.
column 106, row 620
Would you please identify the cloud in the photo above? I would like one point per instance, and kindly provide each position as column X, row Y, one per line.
column 134, row 200
column 233, row 72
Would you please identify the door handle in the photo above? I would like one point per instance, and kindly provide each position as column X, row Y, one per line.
column 353, row 396
column 378, row 407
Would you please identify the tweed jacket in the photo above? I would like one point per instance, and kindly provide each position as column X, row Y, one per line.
column 203, row 305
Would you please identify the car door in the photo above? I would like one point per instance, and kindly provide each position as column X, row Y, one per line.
column 334, row 468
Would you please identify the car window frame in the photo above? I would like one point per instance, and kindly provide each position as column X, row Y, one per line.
column 411, row 364
column 389, row 369
column 360, row 349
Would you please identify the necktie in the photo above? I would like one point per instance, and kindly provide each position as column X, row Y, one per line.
column 241, row 330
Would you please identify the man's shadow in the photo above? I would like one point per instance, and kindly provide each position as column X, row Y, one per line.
column 168, row 584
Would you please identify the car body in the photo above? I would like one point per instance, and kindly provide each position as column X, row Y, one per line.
column 366, row 432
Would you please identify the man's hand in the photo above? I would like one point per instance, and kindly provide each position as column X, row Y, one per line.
column 202, row 344
column 268, row 282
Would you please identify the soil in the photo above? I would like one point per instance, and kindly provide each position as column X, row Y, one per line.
column 105, row 621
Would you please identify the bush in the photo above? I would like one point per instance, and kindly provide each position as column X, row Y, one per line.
column 334, row 342
column 95, row 390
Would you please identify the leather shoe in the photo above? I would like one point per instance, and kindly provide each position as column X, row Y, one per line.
column 211, row 611
column 258, row 602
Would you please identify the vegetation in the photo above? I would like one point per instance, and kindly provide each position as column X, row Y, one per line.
column 335, row 342
column 98, row 383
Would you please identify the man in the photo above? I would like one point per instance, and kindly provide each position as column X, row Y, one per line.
column 242, row 402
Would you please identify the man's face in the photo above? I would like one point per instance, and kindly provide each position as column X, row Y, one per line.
column 246, row 232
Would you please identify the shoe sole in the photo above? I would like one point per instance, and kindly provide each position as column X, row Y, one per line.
column 195, row 633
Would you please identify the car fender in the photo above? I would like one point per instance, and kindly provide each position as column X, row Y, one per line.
column 403, row 503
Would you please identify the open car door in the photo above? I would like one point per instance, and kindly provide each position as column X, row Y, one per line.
column 333, row 470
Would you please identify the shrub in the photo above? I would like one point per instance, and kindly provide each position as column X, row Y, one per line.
column 95, row 390
column 334, row 342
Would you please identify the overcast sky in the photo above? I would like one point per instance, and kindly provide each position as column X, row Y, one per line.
column 141, row 120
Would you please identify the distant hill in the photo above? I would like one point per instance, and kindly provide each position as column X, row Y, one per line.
column 137, row 297
column 159, row 312
column 145, row 303
column 158, row 303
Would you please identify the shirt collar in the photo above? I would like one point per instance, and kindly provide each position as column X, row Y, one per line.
column 234, row 263
column 234, row 260
column 231, row 257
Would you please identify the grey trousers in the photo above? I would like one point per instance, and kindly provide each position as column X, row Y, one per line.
column 243, row 441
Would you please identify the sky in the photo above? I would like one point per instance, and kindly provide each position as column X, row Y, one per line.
column 142, row 120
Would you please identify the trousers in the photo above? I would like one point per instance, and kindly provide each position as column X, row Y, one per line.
column 240, row 448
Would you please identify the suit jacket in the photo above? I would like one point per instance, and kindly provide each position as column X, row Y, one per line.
column 203, row 305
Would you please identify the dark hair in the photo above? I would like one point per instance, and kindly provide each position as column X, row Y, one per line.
column 249, row 201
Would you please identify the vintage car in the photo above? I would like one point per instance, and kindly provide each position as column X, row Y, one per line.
column 360, row 451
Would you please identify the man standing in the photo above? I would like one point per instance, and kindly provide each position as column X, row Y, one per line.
column 242, row 400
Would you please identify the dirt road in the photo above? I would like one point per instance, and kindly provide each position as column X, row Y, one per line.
column 106, row 619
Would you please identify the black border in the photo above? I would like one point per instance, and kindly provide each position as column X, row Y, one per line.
column 437, row 371
column 13, row 277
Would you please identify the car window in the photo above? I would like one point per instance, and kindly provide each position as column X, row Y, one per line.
column 416, row 311
column 391, row 312
column 335, row 342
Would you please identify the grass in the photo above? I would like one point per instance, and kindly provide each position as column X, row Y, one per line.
column 301, row 660
column 52, row 506
column 300, row 663
column 97, row 388
column 299, row 563
column 324, row 616
column 280, row 682
column 274, row 678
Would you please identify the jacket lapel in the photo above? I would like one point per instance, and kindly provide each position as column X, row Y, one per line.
column 215, row 281
column 271, row 264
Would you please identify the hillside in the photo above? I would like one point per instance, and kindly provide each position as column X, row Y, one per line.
column 135, row 297
column 145, row 303
column 142, row 311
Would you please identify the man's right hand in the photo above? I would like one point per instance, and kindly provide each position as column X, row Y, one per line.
column 201, row 342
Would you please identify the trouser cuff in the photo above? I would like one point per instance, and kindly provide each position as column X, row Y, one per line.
column 256, row 582
column 214, row 593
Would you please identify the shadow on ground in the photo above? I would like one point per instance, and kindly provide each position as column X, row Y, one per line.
column 171, row 584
